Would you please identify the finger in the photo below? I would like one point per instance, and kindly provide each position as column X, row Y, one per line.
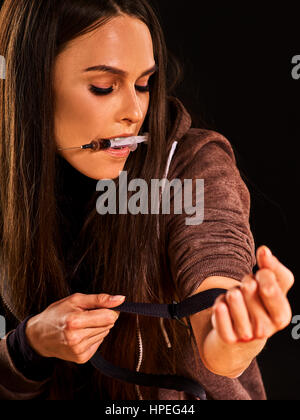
column 284, row 276
column 273, row 298
column 75, row 337
column 96, row 301
column 92, row 319
column 85, row 347
column 86, row 356
column 222, row 323
column 262, row 325
column 239, row 314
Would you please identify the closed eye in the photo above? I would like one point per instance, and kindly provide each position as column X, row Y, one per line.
column 100, row 92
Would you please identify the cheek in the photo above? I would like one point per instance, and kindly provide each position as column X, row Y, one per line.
column 145, row 104
column 78, row 114
column 144, row 107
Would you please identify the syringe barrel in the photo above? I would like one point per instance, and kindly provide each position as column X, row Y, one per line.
column 100, row 144
column 103, row 144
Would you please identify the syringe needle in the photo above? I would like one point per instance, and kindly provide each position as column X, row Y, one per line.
column 94, row 145
column 85, row 146
column 70, row 148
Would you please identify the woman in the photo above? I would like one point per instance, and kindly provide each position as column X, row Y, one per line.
column 61, row 260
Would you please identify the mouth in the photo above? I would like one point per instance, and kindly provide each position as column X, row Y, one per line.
column 119, row 153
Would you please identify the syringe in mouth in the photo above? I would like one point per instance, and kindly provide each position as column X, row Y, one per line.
column 103, row 144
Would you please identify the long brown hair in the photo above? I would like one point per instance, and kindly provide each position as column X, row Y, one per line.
column 118, row 254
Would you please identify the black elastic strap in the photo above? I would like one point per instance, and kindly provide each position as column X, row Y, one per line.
column 189, row 306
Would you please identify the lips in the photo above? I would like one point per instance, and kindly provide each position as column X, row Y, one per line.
column 118, row 153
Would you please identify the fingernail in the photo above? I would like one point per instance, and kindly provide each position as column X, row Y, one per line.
column 246, row 340
column 116, row 298
column 266, row 252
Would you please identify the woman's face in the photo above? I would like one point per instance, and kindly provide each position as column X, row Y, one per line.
column 80, row 114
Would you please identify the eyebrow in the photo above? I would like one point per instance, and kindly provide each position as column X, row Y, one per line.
column 119, row 72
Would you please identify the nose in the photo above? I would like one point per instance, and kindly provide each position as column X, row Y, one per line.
column 131, row 109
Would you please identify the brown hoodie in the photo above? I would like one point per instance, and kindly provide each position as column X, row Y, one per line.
column 222, row 245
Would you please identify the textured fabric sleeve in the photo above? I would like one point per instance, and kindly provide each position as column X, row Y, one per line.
column 223, row 244
column 27, row 361
column 13, row 384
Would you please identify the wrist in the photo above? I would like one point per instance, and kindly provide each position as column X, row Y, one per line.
column 25, row 358
column 229, row 359
column 33, row 337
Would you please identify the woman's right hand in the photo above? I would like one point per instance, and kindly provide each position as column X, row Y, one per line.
column 73, row 328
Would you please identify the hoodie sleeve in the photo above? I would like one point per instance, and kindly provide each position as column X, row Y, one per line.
column 221, row 244
column 13, row 384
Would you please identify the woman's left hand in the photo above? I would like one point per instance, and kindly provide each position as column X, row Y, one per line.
column 259, row 308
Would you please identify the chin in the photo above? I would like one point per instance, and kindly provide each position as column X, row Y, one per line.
column 98, row 169
column 109, row 174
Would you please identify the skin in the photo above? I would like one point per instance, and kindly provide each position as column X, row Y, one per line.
column 73, row 328
column 80, row 116
column 242, row 320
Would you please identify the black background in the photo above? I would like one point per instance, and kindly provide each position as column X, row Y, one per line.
column 237, row 62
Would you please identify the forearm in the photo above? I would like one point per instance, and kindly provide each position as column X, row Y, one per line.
column 229, row 360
